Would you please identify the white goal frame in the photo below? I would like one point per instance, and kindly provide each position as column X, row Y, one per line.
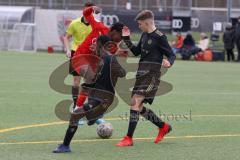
column 23, row 40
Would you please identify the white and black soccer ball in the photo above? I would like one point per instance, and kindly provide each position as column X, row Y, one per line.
column 105, row 130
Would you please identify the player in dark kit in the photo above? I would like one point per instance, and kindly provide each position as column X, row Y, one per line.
column 100, row 93
column 152, row 48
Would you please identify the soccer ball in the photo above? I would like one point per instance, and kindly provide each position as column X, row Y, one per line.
column 105, row 130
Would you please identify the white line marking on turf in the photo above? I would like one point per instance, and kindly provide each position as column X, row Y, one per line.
column 31, row 126
column 107, row 119
column 117, row 139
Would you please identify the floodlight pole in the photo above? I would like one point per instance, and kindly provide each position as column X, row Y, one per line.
column 115, row 5
column 140, row 4
column 50, row 3
column 229, row 6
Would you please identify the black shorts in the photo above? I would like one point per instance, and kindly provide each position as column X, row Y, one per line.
column 147, row 85
column 71, row 69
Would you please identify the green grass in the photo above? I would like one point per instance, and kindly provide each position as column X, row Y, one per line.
column 207, row 89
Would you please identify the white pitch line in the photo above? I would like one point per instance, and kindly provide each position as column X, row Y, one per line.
column 107, row 119
column 117, row 139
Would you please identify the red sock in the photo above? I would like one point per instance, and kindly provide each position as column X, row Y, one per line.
column 81, row 99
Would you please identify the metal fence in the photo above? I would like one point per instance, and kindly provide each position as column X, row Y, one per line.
column 160, row 5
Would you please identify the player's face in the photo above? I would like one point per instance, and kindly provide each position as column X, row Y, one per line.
column 115, row 36
column 143, row 25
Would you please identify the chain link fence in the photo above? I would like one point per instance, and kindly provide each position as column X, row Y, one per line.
column 155, row 5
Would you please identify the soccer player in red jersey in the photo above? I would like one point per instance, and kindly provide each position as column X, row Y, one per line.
column 82, row 59
column 98, row 28
column 85, row 61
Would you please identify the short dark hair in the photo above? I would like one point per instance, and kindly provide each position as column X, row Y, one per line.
column 89, row 4
column 117, row 27
column 145, row 14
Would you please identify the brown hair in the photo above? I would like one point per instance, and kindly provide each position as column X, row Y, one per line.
column 145, row 14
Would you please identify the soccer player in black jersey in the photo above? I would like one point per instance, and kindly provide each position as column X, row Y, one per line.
column 152, row 48
column 100, row 93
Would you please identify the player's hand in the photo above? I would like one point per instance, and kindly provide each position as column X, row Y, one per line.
column 68, row 54
column 125, row 31
column 166, row 63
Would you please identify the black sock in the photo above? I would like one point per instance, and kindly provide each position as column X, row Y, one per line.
column 134, row 117
column 75, row 93
column 151, row 116
column 69, row 135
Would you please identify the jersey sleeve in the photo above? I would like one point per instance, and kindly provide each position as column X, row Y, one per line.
column 70, row 29
column 136, row 50
column 87, row 13
column 166, row 49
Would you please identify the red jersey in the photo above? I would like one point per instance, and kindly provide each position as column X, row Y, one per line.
column 84, row 55
column 98, row 28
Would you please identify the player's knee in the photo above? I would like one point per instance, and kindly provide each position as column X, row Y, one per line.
column 140, row 107
column 136, row 101
column 76, row 81
column 135, row 106
column 133, row 102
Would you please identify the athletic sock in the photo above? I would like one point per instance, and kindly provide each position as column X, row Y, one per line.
column 152, row 117
column 75, row 92
column 133, row 120
column 69, row 135
column 81, row 99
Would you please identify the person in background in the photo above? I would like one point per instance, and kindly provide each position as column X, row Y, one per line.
column 189, row 47
column 204, row 42
column 237, row 38
column 228, row 40
column 178, row 43
column 204, row 53
column 189, row 41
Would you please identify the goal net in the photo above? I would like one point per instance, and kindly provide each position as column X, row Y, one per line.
column 23, row 37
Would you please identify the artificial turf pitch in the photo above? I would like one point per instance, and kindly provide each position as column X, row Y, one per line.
column 207, row 94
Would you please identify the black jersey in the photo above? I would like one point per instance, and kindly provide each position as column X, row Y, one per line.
column 108, row 75
column 152, row 47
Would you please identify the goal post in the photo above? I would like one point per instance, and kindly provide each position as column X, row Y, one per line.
column 23, row 37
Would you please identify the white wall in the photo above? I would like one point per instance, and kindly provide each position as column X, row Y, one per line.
column 50, row 26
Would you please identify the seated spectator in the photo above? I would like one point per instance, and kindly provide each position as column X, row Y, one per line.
column 205, row 54
column 189, row 48
column 189, row 41
column 178, row 43
column 204, row 42
column 228, row 40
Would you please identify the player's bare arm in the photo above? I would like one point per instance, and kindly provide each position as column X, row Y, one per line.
column 66, row 41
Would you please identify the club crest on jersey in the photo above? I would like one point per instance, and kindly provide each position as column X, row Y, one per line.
column 149, row 42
